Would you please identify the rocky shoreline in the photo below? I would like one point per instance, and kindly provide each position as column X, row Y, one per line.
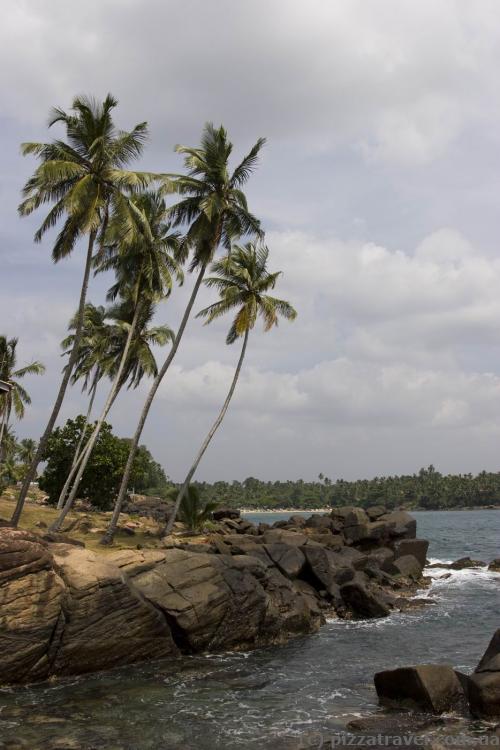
column 66, row 610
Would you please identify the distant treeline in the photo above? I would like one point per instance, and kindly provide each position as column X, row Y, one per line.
column 428, row 489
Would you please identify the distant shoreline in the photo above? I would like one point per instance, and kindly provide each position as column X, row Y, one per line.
column 248, row 511
column 286, row 510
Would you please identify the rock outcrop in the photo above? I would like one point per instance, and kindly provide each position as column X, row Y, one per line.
column 66, row 610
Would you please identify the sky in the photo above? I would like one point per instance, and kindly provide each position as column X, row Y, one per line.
column 379, row 192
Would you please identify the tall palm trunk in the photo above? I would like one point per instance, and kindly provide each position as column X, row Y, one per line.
column 208, row 438
column 62, row 388
column 78, row 451
column 5, row 423
column 87, row 451
column 110, row 532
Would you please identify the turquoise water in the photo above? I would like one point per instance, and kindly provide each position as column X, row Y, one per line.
column 270, row 698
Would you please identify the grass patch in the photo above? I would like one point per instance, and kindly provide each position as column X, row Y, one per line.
column 145, row 534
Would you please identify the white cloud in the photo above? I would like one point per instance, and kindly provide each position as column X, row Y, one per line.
column 401, row 81
column 383, row 125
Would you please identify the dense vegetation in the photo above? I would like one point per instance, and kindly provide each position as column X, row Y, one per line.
column 104, row 470
column 429, row 489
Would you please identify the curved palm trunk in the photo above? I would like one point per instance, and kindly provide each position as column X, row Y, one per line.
column 108, row 536
column 207, row 440
column 87, row 451
column 62, row 388
column 5, row 423
column 78, row 451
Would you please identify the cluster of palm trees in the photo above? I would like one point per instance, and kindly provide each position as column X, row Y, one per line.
column 131, row 230
column 13, row 399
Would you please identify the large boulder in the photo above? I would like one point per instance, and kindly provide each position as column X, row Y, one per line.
column 318, row 521
column 366, row 533
column 106, row 622
column 408, row 566
column 415, row 547
column 400, row 524
column 238, row 542
column 290, row 560
column 30, row 606
column 326, row 539
column 349, row 515
column 291, row 610
column 375, row 511
column 149, row 506
column 363, row 602
column 213, row 604
column 222, row 513
column 295, row 538
column 483, row 685
column 353, row 557
column 490, row 660
column 298, row 521
column 427, row 687
column 324, row 568
column 494, row 565
column 380, row 556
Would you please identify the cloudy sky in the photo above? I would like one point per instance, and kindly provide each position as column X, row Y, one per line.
column 379, row 192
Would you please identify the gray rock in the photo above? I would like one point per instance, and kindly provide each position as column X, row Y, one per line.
column 299, row 521
column 222, row 513
column 353, row 557
column 322, row 565
column 282, row 535
column 349, row 515
column 428, row 687
column 408, row 566
column 319, row 522
column 416, row 547
column 375, row 511
column 288, row 558
column 400, row 524
column 363, row 602
column 466, row 562
column 489, row 660
column 484, row 683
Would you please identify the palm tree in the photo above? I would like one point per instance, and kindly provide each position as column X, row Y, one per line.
column 192, row 511
column 26, row 450
column 17, row 397
column 109, row 345
column 100, row 352
column 143, row 264
column 141, row 360
column 242, row 280
column 215, row 210
column 90, row 365
column 85, row 179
